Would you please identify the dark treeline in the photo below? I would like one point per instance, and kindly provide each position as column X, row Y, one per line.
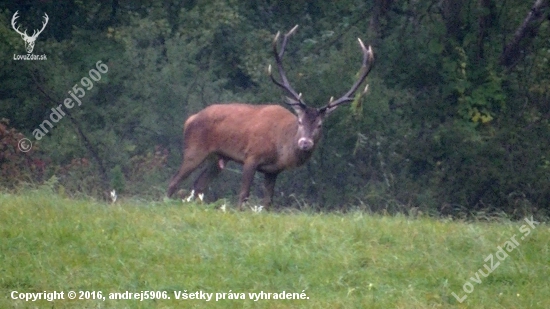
column 456, row 119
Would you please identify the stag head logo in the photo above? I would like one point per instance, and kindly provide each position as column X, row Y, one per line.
column 29, row 40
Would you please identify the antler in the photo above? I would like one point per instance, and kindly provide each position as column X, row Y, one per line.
column 296, row 99
column 34, row 34
column 368, row 60
column 13, row 24
column 44, row 23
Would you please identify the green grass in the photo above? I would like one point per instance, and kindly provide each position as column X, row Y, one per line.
column 49, row 243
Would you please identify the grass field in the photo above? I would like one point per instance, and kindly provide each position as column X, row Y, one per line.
column 354, row 260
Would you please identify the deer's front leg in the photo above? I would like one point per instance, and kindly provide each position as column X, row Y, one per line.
column 269, row 187
column 249, row 168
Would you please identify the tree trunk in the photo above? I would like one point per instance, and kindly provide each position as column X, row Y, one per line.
column 451, row 11
column 379, row 11
column 485, row 22
column 527, row 31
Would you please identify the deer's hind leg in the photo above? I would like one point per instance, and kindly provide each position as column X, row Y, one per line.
column 215, row 164
column 191, row 160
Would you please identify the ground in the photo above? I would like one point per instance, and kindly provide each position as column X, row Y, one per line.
column 142, row 249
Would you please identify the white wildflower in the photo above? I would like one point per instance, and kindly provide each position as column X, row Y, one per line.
column 113, row 196
column 191, row 196
column 257, row 209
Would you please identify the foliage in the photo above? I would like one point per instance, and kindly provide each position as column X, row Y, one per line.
column 15, row 165
column 446, row 127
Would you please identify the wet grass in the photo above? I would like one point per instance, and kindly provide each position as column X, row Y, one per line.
column 354, row 260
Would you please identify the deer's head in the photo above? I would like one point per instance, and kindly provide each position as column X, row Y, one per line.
column 29, row 40
column 310, row 119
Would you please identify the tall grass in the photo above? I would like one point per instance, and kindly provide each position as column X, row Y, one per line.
column 49, row 243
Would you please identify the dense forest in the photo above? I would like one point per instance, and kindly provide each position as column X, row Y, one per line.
column 456, row 119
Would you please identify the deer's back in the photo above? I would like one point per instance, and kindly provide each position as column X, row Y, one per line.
column 239, row 131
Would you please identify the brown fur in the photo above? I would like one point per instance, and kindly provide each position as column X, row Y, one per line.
column 261, row 137
column 264, row 138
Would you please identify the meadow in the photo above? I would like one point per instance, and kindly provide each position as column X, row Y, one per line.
column 181, row 250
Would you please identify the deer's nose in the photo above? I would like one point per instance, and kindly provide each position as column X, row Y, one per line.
column 305, row 143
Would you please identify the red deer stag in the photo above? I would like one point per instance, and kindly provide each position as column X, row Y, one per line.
column 264, row 138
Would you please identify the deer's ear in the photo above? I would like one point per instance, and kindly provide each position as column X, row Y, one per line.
column 299, row 111
column 325, row 111
column 292, row 101
column 296, row 105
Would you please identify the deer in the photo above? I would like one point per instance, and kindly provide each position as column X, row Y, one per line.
column 263, row 138
column 29, row 40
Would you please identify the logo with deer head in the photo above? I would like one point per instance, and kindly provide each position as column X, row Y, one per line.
column 29, row 40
